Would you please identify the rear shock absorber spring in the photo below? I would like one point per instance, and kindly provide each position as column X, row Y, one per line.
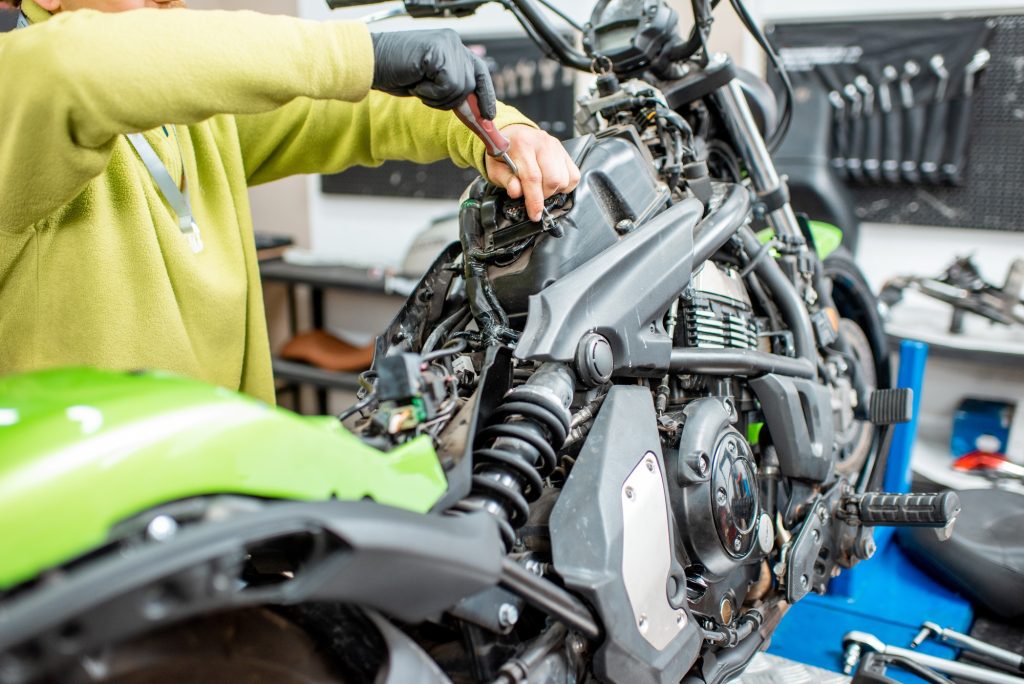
column 519, row 446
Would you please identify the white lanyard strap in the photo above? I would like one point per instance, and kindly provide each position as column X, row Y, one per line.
column 177, row 198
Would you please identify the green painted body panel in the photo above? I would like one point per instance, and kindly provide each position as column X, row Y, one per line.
column 827, row 237
column 83, row 449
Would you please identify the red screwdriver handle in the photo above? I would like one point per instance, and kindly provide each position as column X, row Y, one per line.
column 469, row 114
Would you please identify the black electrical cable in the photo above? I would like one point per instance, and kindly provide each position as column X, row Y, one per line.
column 450, row 349
column 352, row 410
column 787, row 107
column 562, row 15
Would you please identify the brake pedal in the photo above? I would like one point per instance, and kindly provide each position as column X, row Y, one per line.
column 890, row 406
column 880, row 509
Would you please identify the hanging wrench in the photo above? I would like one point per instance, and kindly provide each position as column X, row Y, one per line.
column 891, row 124
column 935, row 138
column 953, row 168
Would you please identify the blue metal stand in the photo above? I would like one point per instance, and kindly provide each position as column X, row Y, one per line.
column 887, row 596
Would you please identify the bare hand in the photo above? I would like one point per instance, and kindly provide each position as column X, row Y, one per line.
column 544, row 168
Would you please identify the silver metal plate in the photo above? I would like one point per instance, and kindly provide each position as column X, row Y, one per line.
column 771, row 669
column 646, row 553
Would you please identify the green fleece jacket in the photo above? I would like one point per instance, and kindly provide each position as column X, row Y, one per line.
column 94, row 269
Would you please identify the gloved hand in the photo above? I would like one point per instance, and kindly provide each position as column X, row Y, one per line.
column 432, row 65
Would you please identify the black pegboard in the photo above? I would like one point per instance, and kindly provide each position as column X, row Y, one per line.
column 992, row 196
column 547, row 99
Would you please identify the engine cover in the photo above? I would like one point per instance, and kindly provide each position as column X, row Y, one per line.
column 714, row 491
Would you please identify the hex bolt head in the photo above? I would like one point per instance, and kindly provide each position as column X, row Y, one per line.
column 804, row 581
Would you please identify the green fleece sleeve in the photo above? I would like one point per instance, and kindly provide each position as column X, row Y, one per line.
column 308, row 136
column 75, row 82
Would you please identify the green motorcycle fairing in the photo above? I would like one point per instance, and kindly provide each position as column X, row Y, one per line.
column 83, row 449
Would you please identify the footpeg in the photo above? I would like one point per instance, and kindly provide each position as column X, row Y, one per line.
column 889, row 406
column 878, row 509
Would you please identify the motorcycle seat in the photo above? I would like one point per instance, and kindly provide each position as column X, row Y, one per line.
column 984, row 559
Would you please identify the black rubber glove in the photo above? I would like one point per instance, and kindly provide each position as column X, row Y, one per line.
column 432, row 65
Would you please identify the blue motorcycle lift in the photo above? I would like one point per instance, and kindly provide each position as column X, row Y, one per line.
column 887, row 596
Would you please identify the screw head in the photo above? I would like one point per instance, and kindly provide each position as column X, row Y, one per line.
column 642, row 623
column 721, row 497
column 508, row 615
column 737, row 544
column 630, row 494
column 730, row 446
column 161, row 528
column 816, row 536
column 804, row 581
column 650, row 465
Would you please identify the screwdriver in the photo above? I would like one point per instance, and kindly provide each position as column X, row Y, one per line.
column 496, row 144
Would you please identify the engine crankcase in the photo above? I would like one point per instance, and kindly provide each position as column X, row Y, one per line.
column 714, row 490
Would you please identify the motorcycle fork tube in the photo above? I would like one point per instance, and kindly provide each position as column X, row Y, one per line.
column 741, row 125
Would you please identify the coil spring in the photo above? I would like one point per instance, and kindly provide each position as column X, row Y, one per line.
column 520, row 441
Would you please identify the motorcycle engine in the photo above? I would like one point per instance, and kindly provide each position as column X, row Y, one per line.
column 719, row 314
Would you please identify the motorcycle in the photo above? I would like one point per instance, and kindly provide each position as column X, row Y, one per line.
column 614, row 445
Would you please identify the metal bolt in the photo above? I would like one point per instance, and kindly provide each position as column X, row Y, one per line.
column 816, row 536
column 821, row 514
column 630, row 493
column 576, row 643
column 730, row 446
column 804, row 581
column 737, row 543
column 851, row 656
column 703, row 464
column 721, row 497
column 161, row 528
column 642, row 623
column 650, row 465
column 681, row 619
column 508, row 615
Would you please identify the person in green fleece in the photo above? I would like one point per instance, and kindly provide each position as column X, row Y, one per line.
column 96, row 267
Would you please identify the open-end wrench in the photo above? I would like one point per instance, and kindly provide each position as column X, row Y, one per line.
column 839, row 131
column 935, row 137
column 960, row 114
column 855, row 146
column 913, row 124
column 891, row 125
column 873, row 130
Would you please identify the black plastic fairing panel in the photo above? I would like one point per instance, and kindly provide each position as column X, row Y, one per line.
column 621, row 294
column 588, row 531
column 798, row 415
column 407, row 565
column 617, row 183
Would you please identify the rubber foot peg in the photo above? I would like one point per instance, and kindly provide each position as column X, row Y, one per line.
column 908, row 510
column 889, row 406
